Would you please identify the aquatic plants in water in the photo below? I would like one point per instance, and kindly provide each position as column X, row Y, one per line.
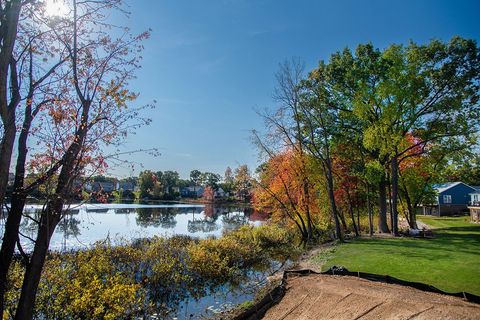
column 151, row 276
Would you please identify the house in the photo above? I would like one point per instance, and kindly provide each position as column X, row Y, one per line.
column 452, row 198
column 125, row 186
column 192, row 192
column 475, row 196
column 474, row 206
column 220, row 193
column 102, row 186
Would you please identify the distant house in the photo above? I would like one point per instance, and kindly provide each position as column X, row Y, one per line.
column 452, row 198
column 125, row 186
column 102, row 186
column 192, row 192
column 220, row 193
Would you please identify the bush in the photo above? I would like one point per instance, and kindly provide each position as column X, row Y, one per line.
column 88, row 284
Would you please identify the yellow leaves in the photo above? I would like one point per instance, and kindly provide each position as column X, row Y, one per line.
column 117, row 94
column 111, row 282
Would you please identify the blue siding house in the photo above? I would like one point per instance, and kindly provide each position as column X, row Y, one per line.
column 453, row 198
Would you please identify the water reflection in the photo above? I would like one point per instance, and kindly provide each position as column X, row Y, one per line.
column 86, row 224
column 157, row 217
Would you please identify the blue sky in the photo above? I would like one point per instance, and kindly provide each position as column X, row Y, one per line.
column 210, row 64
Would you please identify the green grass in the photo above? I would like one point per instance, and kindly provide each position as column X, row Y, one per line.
column 450, row 261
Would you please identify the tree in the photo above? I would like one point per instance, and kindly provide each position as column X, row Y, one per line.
column 242, row 182
column 463, row 166
column 209, row 179
column 228, row 180
column 195, row 176
column 147, row 181
column 284, row 126
column 279, row 189
column 209, row 193
column 323, row 125
column 379, row 97
column 169, row 181
column 91, row 112
column 348, row 168
column 9, row 100
column 32, row 74
column 421, row 91
column 416, row 176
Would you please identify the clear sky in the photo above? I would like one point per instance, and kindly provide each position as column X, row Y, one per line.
column 210, row 64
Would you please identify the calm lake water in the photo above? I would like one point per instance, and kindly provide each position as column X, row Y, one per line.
column 89, row 223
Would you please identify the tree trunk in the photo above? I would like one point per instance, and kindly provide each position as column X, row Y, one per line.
column 307, row 208
column 14, row 218
column 33, row 272
column 394, row 168
column 382, row 203
column 352, row 214
column 343, row 222
column 370, row 213
column 8, row 244
column 6, row 150
column 413, row 218
column 333, row 205
column 10, row 15
column 358, row 220
column 389, row 199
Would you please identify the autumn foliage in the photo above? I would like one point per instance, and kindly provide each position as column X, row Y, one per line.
column 209, row 193
column 280, row 189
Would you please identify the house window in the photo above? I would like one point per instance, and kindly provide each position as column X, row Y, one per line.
column 475, row 199
column 447, row 198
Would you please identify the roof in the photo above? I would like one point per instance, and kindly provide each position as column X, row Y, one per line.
column 445, row 186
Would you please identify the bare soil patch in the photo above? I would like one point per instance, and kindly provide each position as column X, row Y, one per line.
column 343, row 297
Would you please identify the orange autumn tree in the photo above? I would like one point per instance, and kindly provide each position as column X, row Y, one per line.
column 209, row 193
column 280, row 189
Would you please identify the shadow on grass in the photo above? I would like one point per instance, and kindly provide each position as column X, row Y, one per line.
column 469, row 229
column 452, row 239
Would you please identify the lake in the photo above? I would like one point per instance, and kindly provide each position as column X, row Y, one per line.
column 86, row 224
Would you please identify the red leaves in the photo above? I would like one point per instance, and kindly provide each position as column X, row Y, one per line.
column 209, row 193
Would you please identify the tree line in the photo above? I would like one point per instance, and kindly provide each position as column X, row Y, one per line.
column 167, row 185
column 367, row 133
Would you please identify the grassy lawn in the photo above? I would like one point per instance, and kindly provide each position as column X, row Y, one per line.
column 450, row 261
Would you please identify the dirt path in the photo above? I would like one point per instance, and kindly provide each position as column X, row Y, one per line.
column 342, row 297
